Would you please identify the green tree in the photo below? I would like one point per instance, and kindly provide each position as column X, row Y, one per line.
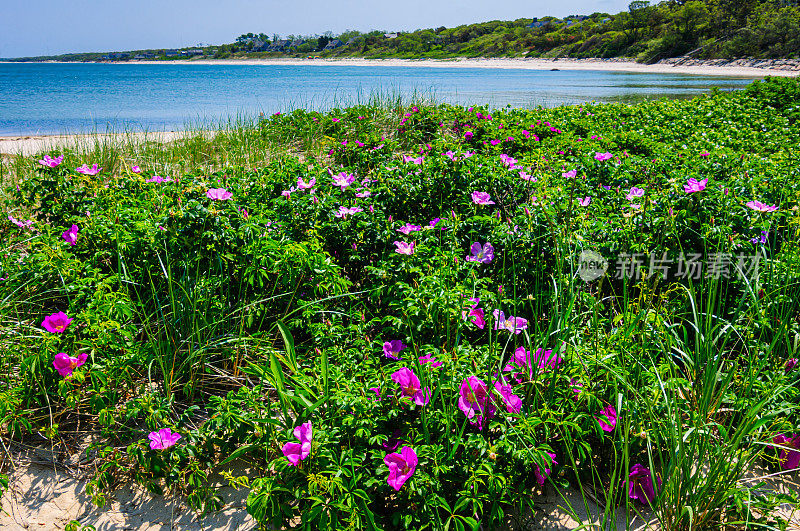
column 638, row 12
column 689, row 17
column 738, row 10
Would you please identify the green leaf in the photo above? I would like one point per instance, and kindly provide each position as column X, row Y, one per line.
column 240, row 452
column 288, row 342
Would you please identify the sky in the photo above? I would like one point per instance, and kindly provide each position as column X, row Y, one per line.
column 50, row 27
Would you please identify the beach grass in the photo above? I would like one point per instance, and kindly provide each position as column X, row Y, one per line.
column 210, row 145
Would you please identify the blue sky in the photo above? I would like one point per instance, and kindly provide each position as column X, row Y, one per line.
column 46, row 27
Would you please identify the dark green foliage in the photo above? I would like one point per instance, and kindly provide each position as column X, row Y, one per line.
column 782, row 94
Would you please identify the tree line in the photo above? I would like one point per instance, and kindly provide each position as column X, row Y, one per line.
column 700, row 28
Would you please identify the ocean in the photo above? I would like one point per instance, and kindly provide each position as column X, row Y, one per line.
column 53, row 98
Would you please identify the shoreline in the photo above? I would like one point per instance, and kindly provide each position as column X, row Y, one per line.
column 27, row 145
column 750, row 68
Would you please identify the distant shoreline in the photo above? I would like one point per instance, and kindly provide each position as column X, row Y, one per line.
column 739, row 68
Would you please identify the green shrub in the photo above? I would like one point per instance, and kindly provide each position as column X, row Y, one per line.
column 249, row 318
column 780, row 93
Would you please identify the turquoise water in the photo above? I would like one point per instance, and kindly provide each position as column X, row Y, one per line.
column 61, row 98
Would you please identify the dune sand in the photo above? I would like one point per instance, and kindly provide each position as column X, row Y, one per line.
column 27, row 145
column 47, row 497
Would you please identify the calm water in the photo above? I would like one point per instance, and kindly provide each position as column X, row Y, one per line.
column 58, row 98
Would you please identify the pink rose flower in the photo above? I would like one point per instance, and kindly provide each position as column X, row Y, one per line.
column 52, row 162
column 693, row 185
column 482, row 198
column 608, row 418
column 296, row 452
column 758, row 206
column 71, row 236
column 56, row 323
column 86, row 170
column 219, row 194
column 404, row 248
column 163, row 439
column 66, row 364
column 401, row 467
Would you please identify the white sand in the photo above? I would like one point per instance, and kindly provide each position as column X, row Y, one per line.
column 611, row 65
column 45, row 497
column 27, row 145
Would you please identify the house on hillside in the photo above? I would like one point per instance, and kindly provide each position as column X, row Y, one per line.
column 537, row 23
column 390, row 35
column 195, row 51
column 171, row 53
column 332, row 45
column 257, row 45
column 296, row 43
column 278, row 46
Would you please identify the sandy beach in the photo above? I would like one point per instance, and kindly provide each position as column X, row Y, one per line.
column 27, row 145
column 738, row 68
